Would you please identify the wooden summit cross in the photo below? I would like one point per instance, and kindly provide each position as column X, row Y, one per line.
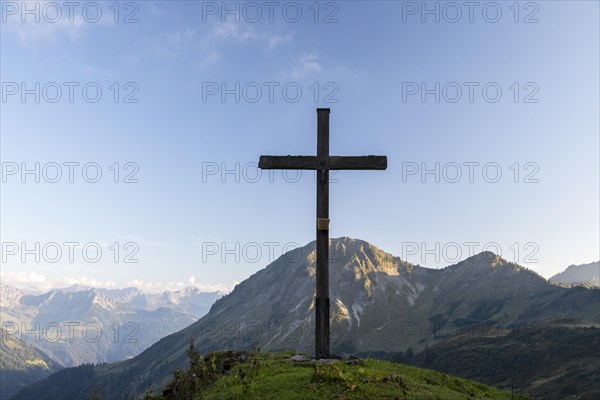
column 322, row 163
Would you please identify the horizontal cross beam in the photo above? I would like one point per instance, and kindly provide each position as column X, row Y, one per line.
column 358, row 162
column 287, row 162
column 335, row 162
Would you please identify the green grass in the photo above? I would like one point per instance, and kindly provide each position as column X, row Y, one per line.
column 256, row 375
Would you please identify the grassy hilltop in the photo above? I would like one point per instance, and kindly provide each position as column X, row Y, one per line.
column 256, row 375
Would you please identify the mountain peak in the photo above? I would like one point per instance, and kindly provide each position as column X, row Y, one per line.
column 575, row 274
column 9, row 296
column 348, row 253
column 485, row 259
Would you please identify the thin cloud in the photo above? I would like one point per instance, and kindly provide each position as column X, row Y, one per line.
column 307, row 64
column 51, row 27
column 146, row 242
column 23, row 277
column 39, row 283
column 173, row 286
column 36, row 282
column 90, row 282
column 206, row 44
column 277, row 40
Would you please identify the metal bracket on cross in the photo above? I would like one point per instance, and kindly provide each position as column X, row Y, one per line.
column 323, row 224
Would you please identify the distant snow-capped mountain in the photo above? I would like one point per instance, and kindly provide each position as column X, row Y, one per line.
column 81, row 324
column 190, row 300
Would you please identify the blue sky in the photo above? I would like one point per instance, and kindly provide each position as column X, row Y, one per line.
column 162, row 117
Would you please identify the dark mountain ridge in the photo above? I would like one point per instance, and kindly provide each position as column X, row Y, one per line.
column 21, row 364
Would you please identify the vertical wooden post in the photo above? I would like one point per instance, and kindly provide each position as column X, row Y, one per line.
column 322, row 163
column 322, row 248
